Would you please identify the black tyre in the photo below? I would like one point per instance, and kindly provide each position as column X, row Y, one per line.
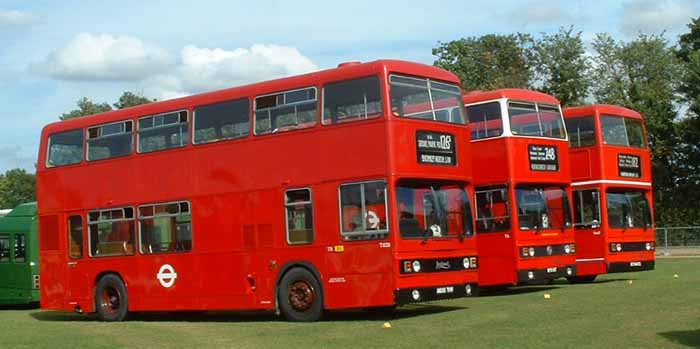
column 111, row 300
column 299, row 296
column 582, row 279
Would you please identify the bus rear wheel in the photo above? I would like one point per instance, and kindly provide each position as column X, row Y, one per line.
column 111, row 301
column 299, row 296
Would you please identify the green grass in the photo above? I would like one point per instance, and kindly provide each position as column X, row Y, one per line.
column 655, row 310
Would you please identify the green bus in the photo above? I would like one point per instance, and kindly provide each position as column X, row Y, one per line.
column 19, row 256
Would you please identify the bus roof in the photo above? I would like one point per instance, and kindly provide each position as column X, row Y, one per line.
column 601, row 109
column 343, row 72
column 510, row 93
column 23, row 210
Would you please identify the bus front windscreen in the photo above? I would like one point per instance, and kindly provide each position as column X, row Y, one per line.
column 628, row 209
column 421, row 98
column 433, row 210
column 536, row 119
column 543, row 208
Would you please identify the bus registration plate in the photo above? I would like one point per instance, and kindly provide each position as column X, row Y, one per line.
column 552, row 270
column 445, row 290
column 635, row 264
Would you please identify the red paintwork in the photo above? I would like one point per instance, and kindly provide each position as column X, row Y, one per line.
column 239, row 184
column 504, row 161
column 598, row 163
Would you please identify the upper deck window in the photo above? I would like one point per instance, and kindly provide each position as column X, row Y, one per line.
column 542, row 208
column 350, row 100
column 109, row 141
column 221, row 121
column 485, row 120
column 628, row 209
column 285, row 111
column 622, row 131
column 422, row 98
column 534, row 119
column 65, row 148
column 163, row 131
column 581, row 131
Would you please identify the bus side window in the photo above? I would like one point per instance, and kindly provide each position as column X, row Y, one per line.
column 4, row 248
column 363, row 211
column 299, row 213
column 165, row 228
column 75, row 236
column 20, row 248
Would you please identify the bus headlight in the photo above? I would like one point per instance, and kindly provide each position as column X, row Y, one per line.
column 616, row 247
column 649, row 246
column 415, row 294
column 567, row 248
column 465, row 263
column 416, row 266
column 531, row 251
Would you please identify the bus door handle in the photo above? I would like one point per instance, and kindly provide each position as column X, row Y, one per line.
column 72, row 264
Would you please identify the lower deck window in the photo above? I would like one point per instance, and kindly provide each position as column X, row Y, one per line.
column 112, row 232
column 363, row 211
column 4, row 248
column 20, row 248
column 165, row 228
column 300, row 221
column 492, row 209
column 586, row 208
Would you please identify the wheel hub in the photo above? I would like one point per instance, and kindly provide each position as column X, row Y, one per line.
column 301, row 296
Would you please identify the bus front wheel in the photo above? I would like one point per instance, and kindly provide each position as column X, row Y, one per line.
column 299, row 296
column 111, row 301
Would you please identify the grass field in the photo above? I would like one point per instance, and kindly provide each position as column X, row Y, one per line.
column 649, row 310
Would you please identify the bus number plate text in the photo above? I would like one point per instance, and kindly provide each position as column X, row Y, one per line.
column 543, row 158
column 445, row 290
column 628, row 166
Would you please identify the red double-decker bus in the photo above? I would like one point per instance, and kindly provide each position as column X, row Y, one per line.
column 522, row 187
column 338, row 189
column 613, row 201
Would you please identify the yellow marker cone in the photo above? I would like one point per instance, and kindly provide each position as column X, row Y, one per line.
column 547, row 296
column 386, row 325
column 630, row 282
column 675, row 276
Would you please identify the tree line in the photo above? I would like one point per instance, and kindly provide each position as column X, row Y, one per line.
column 656, row 77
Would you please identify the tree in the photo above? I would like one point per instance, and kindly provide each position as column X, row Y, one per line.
column 130, row 99
column 642, row 75
column 560, row 64
column 487, row 62
column 17, row 187
column 86, row 107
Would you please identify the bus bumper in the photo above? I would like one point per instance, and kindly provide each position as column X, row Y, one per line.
column 547, row 274
column 621, row 267
column 426, row 294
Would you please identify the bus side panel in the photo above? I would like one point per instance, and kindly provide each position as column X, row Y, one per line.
column 53, row 289
column 496, row 258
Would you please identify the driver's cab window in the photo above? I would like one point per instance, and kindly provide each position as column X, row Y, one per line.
column 363, row 211
column 492, row 209
column 587, row 209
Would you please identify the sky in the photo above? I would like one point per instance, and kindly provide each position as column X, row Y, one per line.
column 52, row 53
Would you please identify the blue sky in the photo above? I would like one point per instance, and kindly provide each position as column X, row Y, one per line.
column 53, row 53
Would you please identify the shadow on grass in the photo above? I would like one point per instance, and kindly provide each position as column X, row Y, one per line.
column 498, row 291
column 255, row 316
column 27, row 306
column 687, row 338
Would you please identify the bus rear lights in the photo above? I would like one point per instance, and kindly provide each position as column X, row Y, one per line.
column 415, row 294
column 530, row 275
column 649, row 246
column 36, row 282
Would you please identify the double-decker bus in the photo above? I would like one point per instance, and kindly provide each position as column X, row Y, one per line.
column 522, row 187
column 19, row 256
column 611, row 171
column 337, row 189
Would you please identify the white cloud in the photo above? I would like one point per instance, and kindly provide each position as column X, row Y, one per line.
column 654, row 16
column 205, row 69
column 103, row 57
column 90, row 57
column 15, row 18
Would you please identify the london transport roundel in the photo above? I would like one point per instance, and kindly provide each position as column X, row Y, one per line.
column 166, row 275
